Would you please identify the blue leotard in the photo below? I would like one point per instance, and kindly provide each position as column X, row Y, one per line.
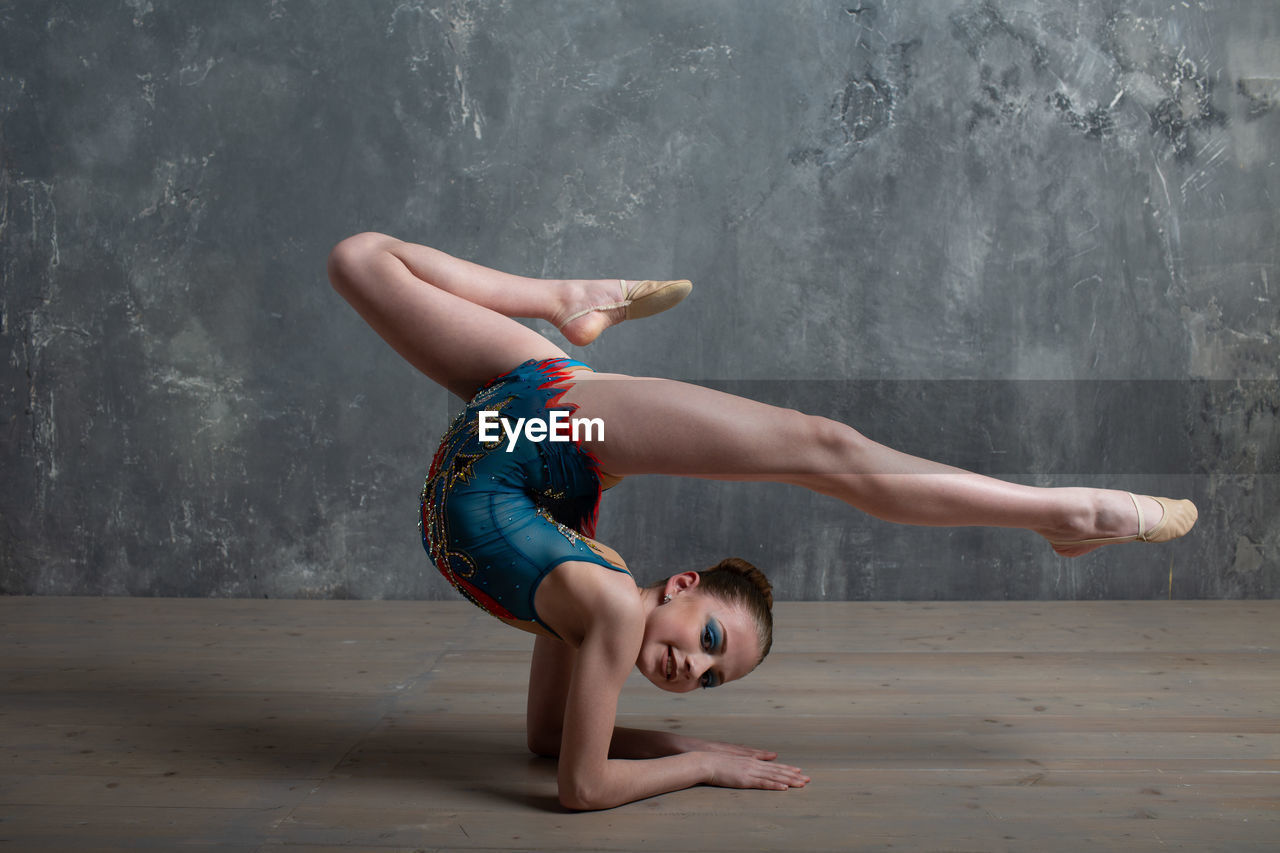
column 496, row 522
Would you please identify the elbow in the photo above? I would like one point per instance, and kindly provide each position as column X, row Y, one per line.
column 581, row 798
column 585, row 792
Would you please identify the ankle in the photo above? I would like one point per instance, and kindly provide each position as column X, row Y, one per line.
column 1113, row 514
column 1079, row 516
column 569, row 296
column 587, row 307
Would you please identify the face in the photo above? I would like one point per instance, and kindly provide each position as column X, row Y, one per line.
column 697, row 641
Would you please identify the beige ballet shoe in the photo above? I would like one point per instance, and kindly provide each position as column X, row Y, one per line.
column 1179, row 517
column 643, row 299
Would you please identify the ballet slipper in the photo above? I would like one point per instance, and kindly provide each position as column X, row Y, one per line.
column 1179, row 517
column 643, row 299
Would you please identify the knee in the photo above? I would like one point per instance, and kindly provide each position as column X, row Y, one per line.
column 352, row 256
column 837, row 446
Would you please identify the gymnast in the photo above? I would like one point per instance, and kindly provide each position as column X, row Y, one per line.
column 508, row 514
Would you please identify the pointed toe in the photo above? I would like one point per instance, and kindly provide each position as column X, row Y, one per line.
column 647, row 298
column 1179, row 517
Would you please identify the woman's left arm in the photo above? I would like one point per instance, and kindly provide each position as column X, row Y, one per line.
column 549, row 672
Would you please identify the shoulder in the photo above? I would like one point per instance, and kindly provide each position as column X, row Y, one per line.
column 605, row 551
column 578, row 599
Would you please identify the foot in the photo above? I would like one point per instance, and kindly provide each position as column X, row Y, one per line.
column 582, row 296
column 592, row 307
column 1112, row 518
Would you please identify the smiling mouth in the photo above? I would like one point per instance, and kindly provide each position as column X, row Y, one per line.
column 671, row 664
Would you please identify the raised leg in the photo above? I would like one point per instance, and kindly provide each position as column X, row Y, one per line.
column 658, row 426
column 450, row 318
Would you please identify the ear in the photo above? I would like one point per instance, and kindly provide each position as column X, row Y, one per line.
column 682, row 582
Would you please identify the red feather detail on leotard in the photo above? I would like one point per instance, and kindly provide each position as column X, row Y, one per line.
column 486, row 603
column 559, row 378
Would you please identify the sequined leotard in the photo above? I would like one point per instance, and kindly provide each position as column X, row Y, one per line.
column 496, row 522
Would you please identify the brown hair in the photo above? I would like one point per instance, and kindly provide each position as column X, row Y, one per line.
column 735, row 581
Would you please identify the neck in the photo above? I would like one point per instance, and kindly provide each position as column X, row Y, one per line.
column 650, row 599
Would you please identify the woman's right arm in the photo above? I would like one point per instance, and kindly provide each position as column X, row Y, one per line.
column 550, row 670
column 588, row 778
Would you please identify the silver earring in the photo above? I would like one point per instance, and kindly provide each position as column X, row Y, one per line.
column 666, row 599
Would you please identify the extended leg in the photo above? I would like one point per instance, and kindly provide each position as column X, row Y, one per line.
column 663, row 427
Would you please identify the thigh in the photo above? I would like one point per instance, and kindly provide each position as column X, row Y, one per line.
column 458, row 343
column 661, row 426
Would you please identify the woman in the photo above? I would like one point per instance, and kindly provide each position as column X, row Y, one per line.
column 507, row 513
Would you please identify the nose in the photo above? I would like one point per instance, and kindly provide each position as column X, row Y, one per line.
column 696, row 664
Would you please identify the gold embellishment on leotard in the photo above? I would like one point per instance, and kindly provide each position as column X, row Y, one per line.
column 597, row 548
column 448, row 561
column 567, row 532
column 474, row 423
column 549, row 493
column 460, row 469
column 471, row 566
column 463, row 468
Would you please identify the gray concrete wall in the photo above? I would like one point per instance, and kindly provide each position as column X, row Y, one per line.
column 1031, row 237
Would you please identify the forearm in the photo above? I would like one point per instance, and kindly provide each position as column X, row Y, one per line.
column 625, row 780
column 621, row 781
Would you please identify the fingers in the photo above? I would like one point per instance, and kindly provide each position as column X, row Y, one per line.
column 785, row 776
column 741, row 771
column 747, row 751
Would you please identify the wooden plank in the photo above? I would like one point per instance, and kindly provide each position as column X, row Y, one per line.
column 156, row 724
column 38, row 827
column 818, row 626
column 1045, row 822
column 131, row 790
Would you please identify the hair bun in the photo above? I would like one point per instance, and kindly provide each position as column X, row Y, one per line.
column 743, row 569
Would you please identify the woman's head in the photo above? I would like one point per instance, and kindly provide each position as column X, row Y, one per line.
column 707, row 628
column 735, row 581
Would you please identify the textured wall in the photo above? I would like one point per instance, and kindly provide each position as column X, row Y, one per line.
column 1034, row 237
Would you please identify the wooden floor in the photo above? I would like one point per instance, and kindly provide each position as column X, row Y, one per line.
column 145, row 724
